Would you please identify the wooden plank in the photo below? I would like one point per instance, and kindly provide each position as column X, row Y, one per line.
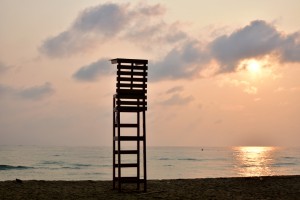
column 129, row 79
column 134, row 67
column 133, row 85
column 130, row 109
column 134, row 103
column 131, row 91
column 129, row 73
column 126, row 151
column 126, row 165
column 128, row 138
column 127, row 60
column 127, row 125
column 127, row 96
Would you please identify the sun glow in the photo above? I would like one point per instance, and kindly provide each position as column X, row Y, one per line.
column 254, row 161
column 254, row 67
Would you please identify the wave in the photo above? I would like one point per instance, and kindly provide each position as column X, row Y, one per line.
column 164, row 159
column 71, row 167
column 181, row 159
column 52, row 162
column 283, row 164
column 189, row 159
column 82, row 165
column 76, row 166
column 11, row 167
column 289, row 157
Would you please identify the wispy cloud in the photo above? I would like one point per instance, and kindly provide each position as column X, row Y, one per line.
column 187, row 59
column 37, row 92
column 94, row 70
column 257, row 39
column 174, row 89
column 290, row 48
column 92, row 24
column 5, row 90
column 177, row 99
column 181, row 62
column 246, row 86
column 3, row 67
column 186, row 56
column 96, row 25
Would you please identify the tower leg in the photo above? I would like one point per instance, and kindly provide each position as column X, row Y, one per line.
column 114, row 145
column 119, row 152
column 144, row 152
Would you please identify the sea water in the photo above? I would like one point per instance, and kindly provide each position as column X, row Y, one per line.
column 95, row 163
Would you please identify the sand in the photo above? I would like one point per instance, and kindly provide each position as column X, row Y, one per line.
column 274, row 187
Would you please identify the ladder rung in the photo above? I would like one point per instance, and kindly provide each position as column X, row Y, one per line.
column 130, row 109
column 127, row 165
column 126, row 151
column 129, row 138
column 127, row 125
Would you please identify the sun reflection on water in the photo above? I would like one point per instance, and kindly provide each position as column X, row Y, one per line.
column 254, row 161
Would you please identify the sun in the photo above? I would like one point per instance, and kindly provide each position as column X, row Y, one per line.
column 253, row 66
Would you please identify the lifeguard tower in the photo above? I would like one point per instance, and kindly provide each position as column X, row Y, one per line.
column 130, row 99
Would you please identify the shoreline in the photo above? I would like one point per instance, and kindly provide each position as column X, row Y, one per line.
column 265, row 187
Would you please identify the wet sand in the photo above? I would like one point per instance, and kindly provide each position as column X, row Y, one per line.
column 273, row 187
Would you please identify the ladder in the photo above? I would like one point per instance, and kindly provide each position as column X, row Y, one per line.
column 130, row 98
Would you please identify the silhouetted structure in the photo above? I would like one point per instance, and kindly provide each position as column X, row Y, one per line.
column 130, row 98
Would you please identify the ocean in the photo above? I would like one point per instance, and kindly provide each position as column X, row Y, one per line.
column 95, row 163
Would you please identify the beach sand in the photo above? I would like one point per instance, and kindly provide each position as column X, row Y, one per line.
column 273, row 187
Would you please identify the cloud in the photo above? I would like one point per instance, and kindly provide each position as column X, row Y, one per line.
column 250, row 90
column 5, row 90
column 93, row 71
column 96, row 25
column 257, row 39
column 181, row 62
column 174, row 89
column 176, row 99
column 91, row 24
column 35, row 92
column 185, row 58
column 290, row 51
column 246, row 86
column 65, row 44
column 107, row 19
column 151, row 34
column 3, row 67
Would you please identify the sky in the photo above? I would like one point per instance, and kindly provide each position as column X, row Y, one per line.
column 221, row 72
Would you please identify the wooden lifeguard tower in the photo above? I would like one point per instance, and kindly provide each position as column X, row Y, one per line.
column 130, row 98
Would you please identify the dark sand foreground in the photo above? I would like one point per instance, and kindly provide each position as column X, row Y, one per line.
column 276, row 187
